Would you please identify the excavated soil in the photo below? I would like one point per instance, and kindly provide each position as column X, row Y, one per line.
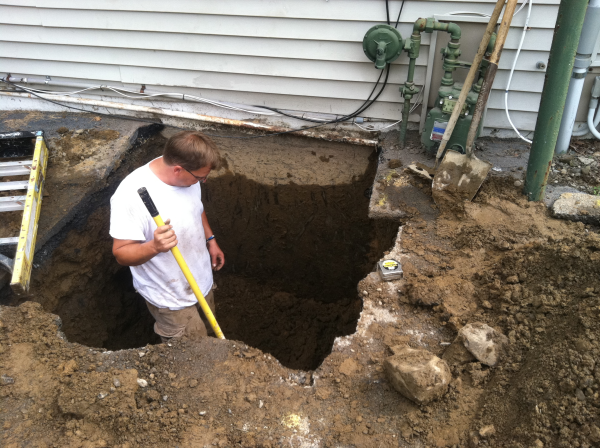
column 499, row 260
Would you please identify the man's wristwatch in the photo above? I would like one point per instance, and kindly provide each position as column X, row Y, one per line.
column 212, row 237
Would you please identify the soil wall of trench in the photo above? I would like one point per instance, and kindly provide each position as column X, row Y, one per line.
column 291, row 217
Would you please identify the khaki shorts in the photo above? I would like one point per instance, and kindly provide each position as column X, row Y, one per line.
column 186, row 322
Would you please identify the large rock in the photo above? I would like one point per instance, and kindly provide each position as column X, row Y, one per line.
column 485, row 343
column 578, row 207
column 417, row 374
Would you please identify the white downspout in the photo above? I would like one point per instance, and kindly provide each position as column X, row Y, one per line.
column 583, row 59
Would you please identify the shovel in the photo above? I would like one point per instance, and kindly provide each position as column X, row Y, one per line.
column 149, row 203
column 460, row 176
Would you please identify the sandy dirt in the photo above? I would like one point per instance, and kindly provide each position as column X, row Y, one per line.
column 499, row 260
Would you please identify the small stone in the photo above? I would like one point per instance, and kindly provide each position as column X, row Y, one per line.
column 260, row 404
column 513, row 279
column 487, row 431
column 580, row 395
column 78, row 132
column 487, row 305
column 359, row 419
column 586, row 170
column 165, row 397
column 518, row 183
column 485, row 343
column 365, row 293
column 193, row 383
column 116, row 382
column 5, row 380
column 113, row 389
column 538, row 444
column 202, row 413
column 418, row 374
column 141, row 354
column 181, row 411
column 142, row 383
column 172, row 376
column 102, row 395
column 379, row 289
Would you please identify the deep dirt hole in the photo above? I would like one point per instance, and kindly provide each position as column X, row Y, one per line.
column 294, row 257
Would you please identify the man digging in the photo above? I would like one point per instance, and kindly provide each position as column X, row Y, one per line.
column 174, row 183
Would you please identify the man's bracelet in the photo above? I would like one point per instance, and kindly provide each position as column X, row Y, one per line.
column 212, row 237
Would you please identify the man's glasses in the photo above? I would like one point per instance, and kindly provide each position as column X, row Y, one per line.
column 200, row 179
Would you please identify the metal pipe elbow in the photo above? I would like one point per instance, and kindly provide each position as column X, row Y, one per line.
column 454, row 31
column 419, row 26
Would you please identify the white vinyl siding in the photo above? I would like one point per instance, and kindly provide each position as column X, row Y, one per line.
column 293, row 54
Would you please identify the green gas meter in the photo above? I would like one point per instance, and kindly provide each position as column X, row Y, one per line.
column 383, row 44
column 438, row 117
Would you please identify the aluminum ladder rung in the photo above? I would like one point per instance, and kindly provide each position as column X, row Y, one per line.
column 14, row 185
column 15, row 168
column 9, row 241
column 12, row 203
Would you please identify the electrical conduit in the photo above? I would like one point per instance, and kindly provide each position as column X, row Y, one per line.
column 583, row 59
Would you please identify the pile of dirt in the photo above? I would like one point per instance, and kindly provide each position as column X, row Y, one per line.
column 505, row 262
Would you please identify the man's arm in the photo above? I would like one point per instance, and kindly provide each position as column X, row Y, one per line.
column 217, row 257
column 134, row 253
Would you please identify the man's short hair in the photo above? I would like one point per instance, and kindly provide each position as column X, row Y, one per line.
column 191, row 150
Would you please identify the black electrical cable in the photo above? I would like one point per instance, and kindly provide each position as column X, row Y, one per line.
column 368, row 102
column 354, row 114
column 279, row 111
column 398, row 19
column 387, row 11
column 361, row 108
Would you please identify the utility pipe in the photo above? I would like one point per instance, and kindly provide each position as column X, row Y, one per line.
column 155, row 94
column 586, row 128
column 408, row 90
column 592, row 108
column 583, row 59
column 413, row 47
column 569, row 22
column 473, row 71
column 328, row 135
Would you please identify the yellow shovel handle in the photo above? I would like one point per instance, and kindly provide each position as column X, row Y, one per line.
column 183, row 265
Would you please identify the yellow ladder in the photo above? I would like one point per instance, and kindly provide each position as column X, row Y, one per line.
column 30, row 203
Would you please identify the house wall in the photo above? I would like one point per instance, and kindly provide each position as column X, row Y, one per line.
column 295, row 54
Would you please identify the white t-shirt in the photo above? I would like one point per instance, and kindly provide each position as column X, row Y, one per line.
column 160, row 280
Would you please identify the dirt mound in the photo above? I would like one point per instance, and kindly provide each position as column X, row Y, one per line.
column 500, row 260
